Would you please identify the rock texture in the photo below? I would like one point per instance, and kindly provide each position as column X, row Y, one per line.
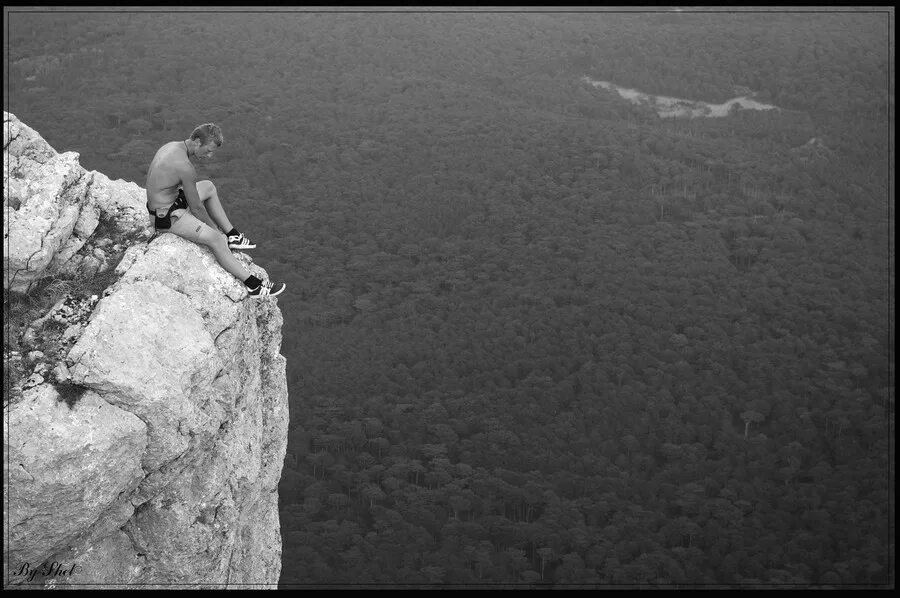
column 146, row 446
column 52, row 206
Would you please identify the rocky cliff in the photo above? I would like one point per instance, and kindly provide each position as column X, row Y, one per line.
column 145, row 412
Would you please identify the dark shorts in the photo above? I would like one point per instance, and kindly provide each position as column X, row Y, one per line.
column 180, row 201
column 179, row 220
column 163, row 216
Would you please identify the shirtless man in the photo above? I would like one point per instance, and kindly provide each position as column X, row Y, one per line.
column 177, row 199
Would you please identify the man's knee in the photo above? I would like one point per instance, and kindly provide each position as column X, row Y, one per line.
column 205, row 189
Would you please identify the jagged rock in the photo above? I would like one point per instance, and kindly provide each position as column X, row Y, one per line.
column 34, row 379
column 110, row 560
column 22, row 145
column 123, row 202
column 44, row 220
column 180, row 353
column 65, row 467
column 144, row 350
column 194, row 272
column 197, row 402
column 52, row 206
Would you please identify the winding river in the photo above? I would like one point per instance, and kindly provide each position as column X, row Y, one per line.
column 668, row 107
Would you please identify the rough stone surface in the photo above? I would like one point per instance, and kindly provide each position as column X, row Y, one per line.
column 145, row 349
column 44, row 220
column 165, row 469
column 65, row 466
column 52, row 206
column 125, row 202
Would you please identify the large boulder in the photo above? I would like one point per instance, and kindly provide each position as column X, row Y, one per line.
column 145, row 349
column 65, row 467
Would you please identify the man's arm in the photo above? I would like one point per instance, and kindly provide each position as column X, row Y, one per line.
column 189, row 184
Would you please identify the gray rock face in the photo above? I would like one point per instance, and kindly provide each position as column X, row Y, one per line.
column 145, row 350
column 48, row 500
column 52, row 206
column 165, row 469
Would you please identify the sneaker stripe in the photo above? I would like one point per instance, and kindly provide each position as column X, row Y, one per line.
column 265, row 289
column 240, row 242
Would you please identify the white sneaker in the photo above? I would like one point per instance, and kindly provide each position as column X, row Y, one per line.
column 267, row 289
column 239, row 241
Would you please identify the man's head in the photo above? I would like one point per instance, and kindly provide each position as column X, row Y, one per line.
column 205, row 139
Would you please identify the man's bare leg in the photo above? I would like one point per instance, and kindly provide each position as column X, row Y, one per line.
column 210, row 198
column 189, row 227
column 219, row 246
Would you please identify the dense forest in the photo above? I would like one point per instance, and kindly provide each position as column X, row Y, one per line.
column 536, row 334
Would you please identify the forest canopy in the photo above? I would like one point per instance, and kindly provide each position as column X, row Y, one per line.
column 536, row 334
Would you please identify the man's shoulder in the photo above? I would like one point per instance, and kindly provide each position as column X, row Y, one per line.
column 167, row 146
column 171, row 156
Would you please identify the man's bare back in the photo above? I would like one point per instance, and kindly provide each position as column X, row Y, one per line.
column 164, row 174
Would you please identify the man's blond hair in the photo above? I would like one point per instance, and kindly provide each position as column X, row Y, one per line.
column 207, row 132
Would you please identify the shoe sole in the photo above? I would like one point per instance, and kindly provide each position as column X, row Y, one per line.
column 242, row 247
column 275, row 294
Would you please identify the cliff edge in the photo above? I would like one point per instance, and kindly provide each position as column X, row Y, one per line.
column 145, row 422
